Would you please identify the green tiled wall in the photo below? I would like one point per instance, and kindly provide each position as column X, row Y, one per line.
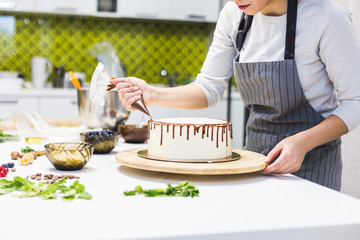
column 144, row 47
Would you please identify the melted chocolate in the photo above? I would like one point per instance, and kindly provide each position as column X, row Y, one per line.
column 225, row 128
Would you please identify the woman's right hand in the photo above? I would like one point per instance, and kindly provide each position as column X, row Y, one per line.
column 131, row 89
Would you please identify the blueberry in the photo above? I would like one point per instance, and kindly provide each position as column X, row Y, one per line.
column 10, row 165
column 5, row 165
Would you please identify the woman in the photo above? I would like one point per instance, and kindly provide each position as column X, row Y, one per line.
column 296, row 66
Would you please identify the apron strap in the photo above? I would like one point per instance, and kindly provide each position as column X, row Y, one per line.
column 246, row 21
column 245, row 24
column 291, row 29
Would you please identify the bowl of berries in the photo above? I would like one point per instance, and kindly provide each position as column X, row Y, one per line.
column 103, row 141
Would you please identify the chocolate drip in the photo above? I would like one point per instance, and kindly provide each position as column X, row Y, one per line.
column 225, row 127
column 212, row 133
column 226, row 136
column 148, row 131
column 161, row 137
column 222, row 133
column 187, row 132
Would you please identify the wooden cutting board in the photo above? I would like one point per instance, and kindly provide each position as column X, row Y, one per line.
column 248, row 162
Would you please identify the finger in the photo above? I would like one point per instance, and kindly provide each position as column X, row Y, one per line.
column 120, row 80
column 273, row 153
column 127, row 96
column 130, row 101
column 275, row 166
column 128, row 90
column 123, row 85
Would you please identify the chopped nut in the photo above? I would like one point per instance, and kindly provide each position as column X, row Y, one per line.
column 38, row 178
column 38, row 174
column 33, row 176
column 21, row 155
column 15, row 155
column 13, row 169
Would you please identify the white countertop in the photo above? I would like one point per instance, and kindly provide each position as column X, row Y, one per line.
column 247, row 206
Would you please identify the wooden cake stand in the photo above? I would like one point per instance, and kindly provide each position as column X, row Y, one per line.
column 248, row 162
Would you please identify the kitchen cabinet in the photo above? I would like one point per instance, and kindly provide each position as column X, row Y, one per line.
column 50, row 103
column 11, row 104
column 58, row 107
column 146, row 9
column 81, row 7
column 17, row 5
column 199, row 10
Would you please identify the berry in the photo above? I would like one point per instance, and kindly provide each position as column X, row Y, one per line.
column 5, row 165
column 11, row 164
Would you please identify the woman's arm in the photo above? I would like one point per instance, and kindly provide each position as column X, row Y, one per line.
column 292, row 149
column 131, row 89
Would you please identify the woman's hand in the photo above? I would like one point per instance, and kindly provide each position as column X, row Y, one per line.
column 291, row 151
column 130, row 90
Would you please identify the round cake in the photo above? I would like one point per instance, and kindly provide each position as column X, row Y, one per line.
column 189, row 138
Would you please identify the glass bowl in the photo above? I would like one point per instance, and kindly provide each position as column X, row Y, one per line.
column 133, row 133
column 69, row 156
column 103, row 141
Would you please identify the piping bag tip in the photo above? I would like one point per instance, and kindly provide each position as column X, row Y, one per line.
column 140, row 105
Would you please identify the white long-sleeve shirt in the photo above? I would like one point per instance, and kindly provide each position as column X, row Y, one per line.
column 327, row 55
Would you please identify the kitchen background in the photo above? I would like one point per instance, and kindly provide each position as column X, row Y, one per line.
column 146, row 36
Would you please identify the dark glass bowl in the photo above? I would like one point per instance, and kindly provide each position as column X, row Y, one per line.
column 133, row 133
column 69, row 156
column 102, row 143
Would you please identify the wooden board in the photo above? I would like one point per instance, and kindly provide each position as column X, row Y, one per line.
column 248, row 162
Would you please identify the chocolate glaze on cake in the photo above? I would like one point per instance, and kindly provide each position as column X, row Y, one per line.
column 226, row 128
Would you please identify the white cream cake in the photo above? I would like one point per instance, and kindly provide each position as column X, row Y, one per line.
column 189, row 138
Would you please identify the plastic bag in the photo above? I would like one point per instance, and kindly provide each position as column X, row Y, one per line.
column 99, row 81
column 106, row 54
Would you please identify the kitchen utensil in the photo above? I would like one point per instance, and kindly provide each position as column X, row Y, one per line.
column 108, row 116
column 74, row 80
column 40, row 70
column 248, row 162
column 69, row 156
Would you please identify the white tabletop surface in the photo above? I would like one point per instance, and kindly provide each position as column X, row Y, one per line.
column 247, row 206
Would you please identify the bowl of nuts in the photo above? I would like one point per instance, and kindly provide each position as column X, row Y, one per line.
column 69, row 156
column 103, row 141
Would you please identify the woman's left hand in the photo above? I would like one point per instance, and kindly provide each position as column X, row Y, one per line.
column 291, row 151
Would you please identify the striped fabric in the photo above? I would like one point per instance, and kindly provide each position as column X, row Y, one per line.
column 278, row 109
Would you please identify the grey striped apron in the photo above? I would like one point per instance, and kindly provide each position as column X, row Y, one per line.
column 278, row 107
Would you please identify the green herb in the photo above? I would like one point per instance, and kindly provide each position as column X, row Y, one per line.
column 43, row 189
column 8, row 137
column 27, row 149
column 183, row 189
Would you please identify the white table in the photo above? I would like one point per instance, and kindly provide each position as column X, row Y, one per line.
column 249, row 206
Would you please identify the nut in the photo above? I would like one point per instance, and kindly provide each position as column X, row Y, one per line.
column 15, row 155
column 13, row 169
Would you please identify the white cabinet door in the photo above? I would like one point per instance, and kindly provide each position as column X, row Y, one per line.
column 58, row 107
column 10, row 105
column 195, row 10
column 17, row 5
column 147, row 9
column 81, row 7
